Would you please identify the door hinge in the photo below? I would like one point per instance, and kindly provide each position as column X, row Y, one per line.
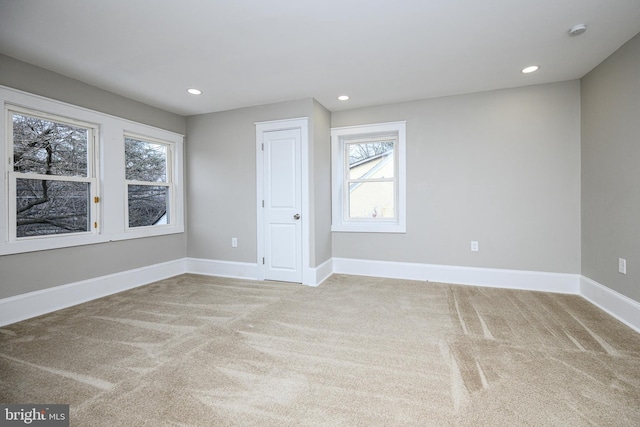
column 263, row 260
column 263, row 203
column 263, row 147
column 96, row 199
column 95, row 225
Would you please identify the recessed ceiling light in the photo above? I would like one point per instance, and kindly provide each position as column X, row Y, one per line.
column 530, row 69
column 193, row 91
column 343, row 98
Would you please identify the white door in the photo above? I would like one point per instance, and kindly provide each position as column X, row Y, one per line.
column 282, row 205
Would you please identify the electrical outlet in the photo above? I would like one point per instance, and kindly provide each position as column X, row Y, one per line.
column 622, row 265
column 474, row 246
column 234, row 242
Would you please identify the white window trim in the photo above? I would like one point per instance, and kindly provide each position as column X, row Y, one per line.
column 169, row 183
column 338, row 162
column 110, row 168
column 91, row 178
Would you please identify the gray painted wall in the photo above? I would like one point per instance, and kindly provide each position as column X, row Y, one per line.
column 221, row 172
column 26, row 77
column 500, row 167
column 611, row 170
column 33, row 271
column 322, row 183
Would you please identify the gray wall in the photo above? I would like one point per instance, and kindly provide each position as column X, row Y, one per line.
column 611, row 170
column 26, row 77
column 500, row 167
column 33, row 271
column 321, row 162
column 221, row 172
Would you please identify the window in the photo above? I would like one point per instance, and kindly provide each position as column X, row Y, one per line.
column 52, row 175
column 368, row 165
column 148, row 178
column 72, row 176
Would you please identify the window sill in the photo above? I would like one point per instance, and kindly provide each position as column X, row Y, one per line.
column 369, row 228
column 45, row 243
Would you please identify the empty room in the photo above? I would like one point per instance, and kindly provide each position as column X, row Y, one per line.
column 336, row 213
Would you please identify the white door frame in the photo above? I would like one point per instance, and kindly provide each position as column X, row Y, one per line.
column 262, row 127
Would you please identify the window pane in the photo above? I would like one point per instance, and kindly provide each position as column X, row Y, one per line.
column 49, row 148
column 371, row 159
column 372, row 200
column 148, row 205
column 51, row 207
column 145, row 161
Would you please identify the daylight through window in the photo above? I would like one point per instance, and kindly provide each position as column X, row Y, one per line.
column 148, row 182
column 73, row 176
column 370, row 182
column 53, row 176
column 368, row 189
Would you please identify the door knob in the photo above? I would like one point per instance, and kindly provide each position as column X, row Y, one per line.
column 296, row 216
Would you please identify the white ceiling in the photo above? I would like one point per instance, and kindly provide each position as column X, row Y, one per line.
column 251, row 52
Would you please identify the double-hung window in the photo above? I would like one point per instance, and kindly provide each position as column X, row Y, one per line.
column 148, row 170
column 368, row 190
column 71, row 176
column 52, row 175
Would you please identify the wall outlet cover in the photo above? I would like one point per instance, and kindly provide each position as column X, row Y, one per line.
column 622, row 265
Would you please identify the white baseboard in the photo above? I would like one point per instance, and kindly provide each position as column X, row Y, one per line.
column 210, row 267
column 246, row 270
column 32, row 304
column 321, row 273
column 617, row 305
column 491, row 277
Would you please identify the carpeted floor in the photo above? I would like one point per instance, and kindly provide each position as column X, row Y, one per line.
column 356, row 351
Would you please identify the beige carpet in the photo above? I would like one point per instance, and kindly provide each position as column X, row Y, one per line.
column 356, row 351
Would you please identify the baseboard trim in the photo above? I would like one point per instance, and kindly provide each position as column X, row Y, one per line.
column 246, row 270
column 37, row 303
column 232, row 269
column 489, row 277
column 617, row 305
column 322, row 272
column 32, row 304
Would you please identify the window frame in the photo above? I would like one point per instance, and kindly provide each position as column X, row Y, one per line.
column 340, row 138
column 91, row 175
column 168, row 182
column 109, row 167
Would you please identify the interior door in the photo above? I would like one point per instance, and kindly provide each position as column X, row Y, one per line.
column 282, row 205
